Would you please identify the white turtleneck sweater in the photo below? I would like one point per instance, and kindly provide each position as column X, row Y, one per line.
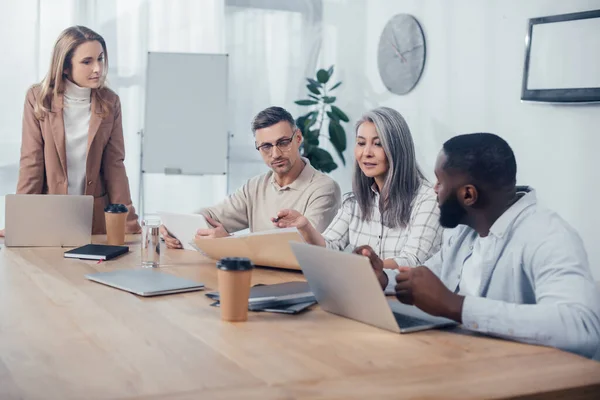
column 76, row 115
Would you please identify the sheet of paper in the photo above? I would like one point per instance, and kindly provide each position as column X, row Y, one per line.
column 184, row 226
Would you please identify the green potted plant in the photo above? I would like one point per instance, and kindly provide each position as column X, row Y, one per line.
column 323, row 116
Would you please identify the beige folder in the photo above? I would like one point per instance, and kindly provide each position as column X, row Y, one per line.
column 268, row 248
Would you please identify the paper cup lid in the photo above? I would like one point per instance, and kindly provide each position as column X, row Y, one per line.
column 115, row 208
column 234, row 264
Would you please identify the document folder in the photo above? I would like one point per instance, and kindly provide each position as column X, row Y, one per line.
column 268, row 248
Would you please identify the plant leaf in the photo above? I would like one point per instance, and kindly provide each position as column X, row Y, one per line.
column 336, row 85
column 312, row 137
column 314, row 89
column 321, row 159
column 313, row 97
column 330, row 71
column 310, row 120
column 313, row 82
column 300, row 123
column 311, row 114
column 337, row 135
column 305, row 102
column 340, row 114
column 341, row 155
column 327, row 167
column 329, row 100
column 333, row 116
column 305, row 121
column 322, row 76
column 310, row 134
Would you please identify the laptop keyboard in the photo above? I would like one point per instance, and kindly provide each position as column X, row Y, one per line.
column 404, row 321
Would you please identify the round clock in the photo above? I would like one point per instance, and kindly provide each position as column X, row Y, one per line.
column 401, row 55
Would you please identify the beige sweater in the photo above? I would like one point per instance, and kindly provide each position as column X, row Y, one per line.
column 313, row 194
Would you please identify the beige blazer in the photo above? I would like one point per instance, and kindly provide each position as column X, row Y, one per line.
column 43, row 167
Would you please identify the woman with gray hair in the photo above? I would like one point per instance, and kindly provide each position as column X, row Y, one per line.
column 392, row 215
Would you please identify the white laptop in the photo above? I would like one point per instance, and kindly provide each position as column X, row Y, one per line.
column 345, row 284
column 145, row 282
column 47, row 220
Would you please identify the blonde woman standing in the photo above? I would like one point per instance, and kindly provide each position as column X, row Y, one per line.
column 72, row 131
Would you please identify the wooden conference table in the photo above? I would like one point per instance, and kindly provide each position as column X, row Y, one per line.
column 64, row 337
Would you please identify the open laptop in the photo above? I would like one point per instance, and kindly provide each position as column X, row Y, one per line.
column 345, row 284
column 145, row 282
column 47, row 220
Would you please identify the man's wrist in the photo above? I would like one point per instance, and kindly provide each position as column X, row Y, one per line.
column 454, row 307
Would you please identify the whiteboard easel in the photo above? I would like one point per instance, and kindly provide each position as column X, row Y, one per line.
column 186, row 116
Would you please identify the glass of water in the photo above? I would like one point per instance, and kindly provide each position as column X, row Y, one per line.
column 150, row 242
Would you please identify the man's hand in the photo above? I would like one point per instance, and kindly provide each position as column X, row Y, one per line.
column 170, row 241
column 288, row 218
column 217, row 232
column 421, row 287
column 376, row 263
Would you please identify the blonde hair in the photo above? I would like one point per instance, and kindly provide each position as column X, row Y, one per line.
column 54, row 82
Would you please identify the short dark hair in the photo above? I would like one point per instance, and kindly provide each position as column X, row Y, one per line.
column 485, row 157
column 271, row 116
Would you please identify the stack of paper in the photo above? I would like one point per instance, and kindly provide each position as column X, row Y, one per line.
column 278, row 295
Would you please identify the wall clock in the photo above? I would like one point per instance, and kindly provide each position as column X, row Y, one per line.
column 401, row 54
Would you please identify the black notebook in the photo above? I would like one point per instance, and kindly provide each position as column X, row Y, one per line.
column 97, row 252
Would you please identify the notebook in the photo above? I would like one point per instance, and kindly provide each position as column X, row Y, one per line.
column 267, row 248
column 145, row 282
column 97, row 252
column 276, row 295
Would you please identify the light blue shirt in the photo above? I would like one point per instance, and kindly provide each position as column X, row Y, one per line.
column 536, row 285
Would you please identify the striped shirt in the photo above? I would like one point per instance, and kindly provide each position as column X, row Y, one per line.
column 409, row 245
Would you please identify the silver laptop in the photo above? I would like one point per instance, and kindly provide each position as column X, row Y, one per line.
column 145, row 282
column 345, row 284
column 48, row 220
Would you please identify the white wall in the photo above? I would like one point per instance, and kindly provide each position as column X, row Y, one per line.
column 25, row 47
column 472, row 82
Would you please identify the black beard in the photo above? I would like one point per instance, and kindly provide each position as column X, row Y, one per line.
column 451, row 212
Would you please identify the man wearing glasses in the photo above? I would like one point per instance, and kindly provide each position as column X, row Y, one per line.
column 291, row 183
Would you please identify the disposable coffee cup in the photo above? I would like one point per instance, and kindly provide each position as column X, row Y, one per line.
column 116, row 216
column 234, row 275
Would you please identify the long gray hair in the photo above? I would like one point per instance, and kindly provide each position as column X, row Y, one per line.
column 404, row 177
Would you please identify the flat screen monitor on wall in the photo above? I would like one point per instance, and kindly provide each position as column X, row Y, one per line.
column 562, row 59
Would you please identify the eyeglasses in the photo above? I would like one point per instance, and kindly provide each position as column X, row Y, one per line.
column 282, row 144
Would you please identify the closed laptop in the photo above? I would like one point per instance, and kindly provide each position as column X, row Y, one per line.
column 145, row 282
column 48, row 220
